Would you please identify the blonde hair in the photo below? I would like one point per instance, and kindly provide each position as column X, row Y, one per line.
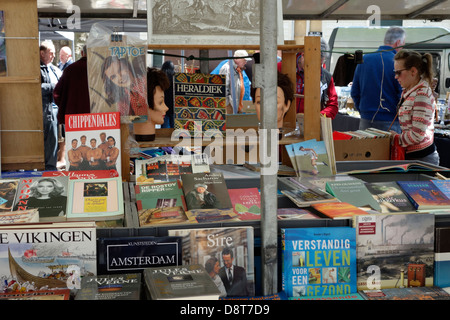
column 422, row 62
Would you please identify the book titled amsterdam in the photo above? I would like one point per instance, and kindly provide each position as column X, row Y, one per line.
column 47, row 255
column 47, row 194
column 190, row 282
column 221, row 251
column 318, row 261
column 394, row 250
column 95, row 199
column 93, row 141
column 111, row 287
column 133, row 254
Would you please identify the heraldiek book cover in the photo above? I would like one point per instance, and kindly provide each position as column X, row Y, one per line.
column 95, row 199
column 110, row 287
column 318, row 261
column 47, row 194
column 221, row 251
column 133, row 254
column 93, row 142
column 189, row 282
column 46, row 256
column 395, row 250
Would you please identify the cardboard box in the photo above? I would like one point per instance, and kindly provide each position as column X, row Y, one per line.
column 362, row 149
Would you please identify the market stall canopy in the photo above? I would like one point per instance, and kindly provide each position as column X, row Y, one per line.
column 292, row 9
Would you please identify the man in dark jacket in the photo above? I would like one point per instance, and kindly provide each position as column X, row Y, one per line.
column 233, row 277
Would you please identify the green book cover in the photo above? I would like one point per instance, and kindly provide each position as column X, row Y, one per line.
column 353, row 192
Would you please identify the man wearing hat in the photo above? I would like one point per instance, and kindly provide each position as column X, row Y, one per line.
column 200, row 198
column 240, row 59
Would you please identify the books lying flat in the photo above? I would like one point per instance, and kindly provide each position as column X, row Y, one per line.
column 353, row 192
column 190, row 282
column 169, row 215
column 390, row 197
column 211, row 215
column 412, row 293
column 294, row 214
column 338, row 210
column 318, row 261
column 57, row 294
column 110, row 287
column 160, row 195
column 394, row 250
column 246, row 203
column 424, row 195
column 95, row 199
column 304, row 194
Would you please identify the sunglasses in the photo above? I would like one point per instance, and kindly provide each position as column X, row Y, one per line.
column 399, row 72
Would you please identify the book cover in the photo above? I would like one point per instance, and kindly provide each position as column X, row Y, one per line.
column 133, row 254
column 394, row 250
column 294, row 214
column 47, row 255
column 220, row 250
column 424, row 195
column 48, row 195
column 443, row 185
column 206, row 191
column 110, row 287
column 93, row 141
column 83, row 174
column 336, row 297
column 318, row 261
column 412, row 293
column 57, row 294
column 338, row 210
column 3, row 65
column 190, row 282
column 95, row 199
column 157, row 216
column 246, row 203
column 200, row 103
column 21, row 216
column 442, row 257
column 211, row 215
column 390, row 197
column 312, row 158
column 304, row 194
column 8, row 190
column 160, row 195
column 353, row 192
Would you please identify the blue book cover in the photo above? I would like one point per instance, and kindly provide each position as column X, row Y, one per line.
column 442, row 257
column 133, row 254
column 319, row 261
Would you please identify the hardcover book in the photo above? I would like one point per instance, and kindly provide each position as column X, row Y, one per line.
column 155, row 216
column 394, row 250
column 200, row 103
column 390, row 197
column 338, row 210
column 442, row 257
column 133, row 254
column 353, row 192
column 160, row 195
column 93, row 142
column 95, row 199
column 111, row 287
column 318, row 261
column 190, row 282
column 47, row 255
column 424, row 195
column 443, row 185
column 48, row 195
column 206, row 191
column 221, row 251
column 246, row 203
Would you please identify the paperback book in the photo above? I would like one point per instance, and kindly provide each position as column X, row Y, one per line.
column 411, row 293
column 189, row 282
column 48, row 195
column 47, row 255
column 206, row 191
column 134, row 254
column 443, row 185
column 56, row 294
column 294, row 214
column 22, row 216
column 211, row 215
column 246, row 203
column 160, row 195
column 338, row 210
column 311, row 158
column 318, row 261
column 219, row 250
column 395, row 250
column 304, row 194
column 8, row 190
column 93, row 141
column 125, row 286
column 95, row 199
column 157, row 216
column 442, row 257
column 353, row 192
column 424, row 195
column 390, row 197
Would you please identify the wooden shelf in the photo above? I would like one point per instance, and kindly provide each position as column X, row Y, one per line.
column 21, row 80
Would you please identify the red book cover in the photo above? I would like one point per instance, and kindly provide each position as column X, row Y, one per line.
column 246, row 203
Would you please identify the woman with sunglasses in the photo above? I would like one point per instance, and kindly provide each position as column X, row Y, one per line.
column 417, row 106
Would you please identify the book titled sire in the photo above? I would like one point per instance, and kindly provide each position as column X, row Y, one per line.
column 319, row 261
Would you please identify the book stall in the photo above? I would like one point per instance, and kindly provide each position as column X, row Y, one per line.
column 213, row 209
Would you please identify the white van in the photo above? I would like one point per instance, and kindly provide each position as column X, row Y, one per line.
column 368, row 39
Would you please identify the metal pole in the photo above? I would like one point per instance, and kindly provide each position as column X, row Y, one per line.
column 265, row 77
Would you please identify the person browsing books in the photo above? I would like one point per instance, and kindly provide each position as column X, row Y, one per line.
column 414, row 72
column 233, row 277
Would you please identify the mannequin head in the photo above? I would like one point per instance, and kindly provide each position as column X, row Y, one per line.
column 285, row 96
